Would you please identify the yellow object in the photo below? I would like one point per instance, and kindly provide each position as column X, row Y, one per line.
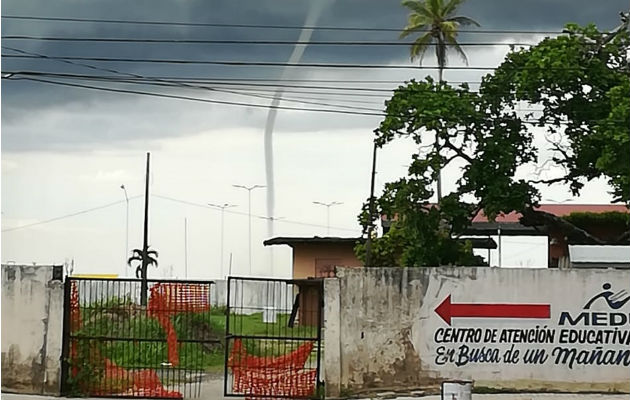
column 95, row 276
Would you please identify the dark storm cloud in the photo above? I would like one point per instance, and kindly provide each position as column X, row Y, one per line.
column 26, row 101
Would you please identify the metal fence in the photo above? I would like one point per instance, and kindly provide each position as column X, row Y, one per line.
column 273, row 348
column 114, row 346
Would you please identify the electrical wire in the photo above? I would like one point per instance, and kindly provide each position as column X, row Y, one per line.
column 283, row 220
column 233, row 103
column 179, row 97
column 117, row 72
column 257, row 26
column 249, row 42
column 69, row 215
column 274, row 64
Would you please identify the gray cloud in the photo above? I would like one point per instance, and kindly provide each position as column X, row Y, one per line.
column 38, row 117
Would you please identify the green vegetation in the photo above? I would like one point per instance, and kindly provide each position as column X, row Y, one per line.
column 135, row 340
column 578, row 80
column 614, row 220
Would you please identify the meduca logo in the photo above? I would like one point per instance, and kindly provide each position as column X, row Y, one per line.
column 614, row 300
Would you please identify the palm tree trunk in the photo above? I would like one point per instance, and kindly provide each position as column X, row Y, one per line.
column 437, row 145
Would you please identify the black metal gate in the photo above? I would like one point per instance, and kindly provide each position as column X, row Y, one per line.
column 273, row 338
column 114, row 346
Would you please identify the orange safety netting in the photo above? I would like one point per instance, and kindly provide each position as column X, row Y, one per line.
column 142, row 383
column 75, row 325
column 118, row 380
column 272, row 376
column 168, row 299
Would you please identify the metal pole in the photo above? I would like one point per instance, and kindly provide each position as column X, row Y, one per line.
column 222, row 230
column 328, row 205
column 249, row 217
column 222, row 207
column 145, row 246
column 499, row 233
column 368, row 243
column 328, row 220
column 185, row 248
column 127, row 228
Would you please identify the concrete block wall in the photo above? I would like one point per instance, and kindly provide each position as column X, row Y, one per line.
column 32, row 324
column 413, row 328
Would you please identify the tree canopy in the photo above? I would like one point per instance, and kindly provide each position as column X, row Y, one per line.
column 578, row 83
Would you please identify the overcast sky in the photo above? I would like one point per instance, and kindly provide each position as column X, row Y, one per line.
column 67, row 150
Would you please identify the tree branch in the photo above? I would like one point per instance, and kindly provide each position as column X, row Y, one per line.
column 458, row 151
column 531, row 217
column 550, row 181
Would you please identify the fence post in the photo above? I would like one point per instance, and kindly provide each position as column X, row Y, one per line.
column 65, row 343
column 332, row 332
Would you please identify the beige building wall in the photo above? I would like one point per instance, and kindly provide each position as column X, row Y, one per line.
column 308, row 256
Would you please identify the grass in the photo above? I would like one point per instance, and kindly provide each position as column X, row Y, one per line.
column 139, row 340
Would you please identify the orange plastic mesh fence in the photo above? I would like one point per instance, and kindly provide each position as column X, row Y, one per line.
column 168, row 299
column 172, row 298
column 272, row 376
column 144, row 382
column 75, row 325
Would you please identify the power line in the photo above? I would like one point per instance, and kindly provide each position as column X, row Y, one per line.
column 255, row 26
column 43, row 56
column 210, row 81
column 270, row 64
column 179, row 97
column 233, row 103
column 249, row 42
column 284, row 220
column 238, row 81
column 69, row 215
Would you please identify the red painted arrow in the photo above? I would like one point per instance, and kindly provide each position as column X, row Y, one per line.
column 447, row 310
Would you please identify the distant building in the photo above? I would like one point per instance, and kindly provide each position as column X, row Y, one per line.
column 584, row 256
column 317, row 257
column 509, row 225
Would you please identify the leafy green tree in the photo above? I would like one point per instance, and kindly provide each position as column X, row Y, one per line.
column 581, row 81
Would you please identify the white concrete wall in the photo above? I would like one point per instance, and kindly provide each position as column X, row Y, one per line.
column 32, row 322
column 384, row 331
column 249, row 297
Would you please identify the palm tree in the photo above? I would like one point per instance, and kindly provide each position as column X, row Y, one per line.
column 438, row 25
column 137, row 255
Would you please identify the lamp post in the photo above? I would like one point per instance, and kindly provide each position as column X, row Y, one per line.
column 249, row 216
column 222, row 207
column 127, row 226
column 327, row 205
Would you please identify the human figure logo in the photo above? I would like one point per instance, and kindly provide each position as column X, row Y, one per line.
column 614, row 300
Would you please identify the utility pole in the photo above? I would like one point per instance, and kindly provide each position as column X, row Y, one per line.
column 249, row 215
column 368, row 243
column 328, row 205
column 127, row 228
column 145, row 245
column 185, row 248
column 222, row 207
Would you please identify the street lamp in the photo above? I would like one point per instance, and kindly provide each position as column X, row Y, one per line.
column 327, row 205
column 127, row 227
column 222, row 207
column 249, row 215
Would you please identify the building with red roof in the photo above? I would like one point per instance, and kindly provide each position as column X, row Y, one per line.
column 509, row 225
